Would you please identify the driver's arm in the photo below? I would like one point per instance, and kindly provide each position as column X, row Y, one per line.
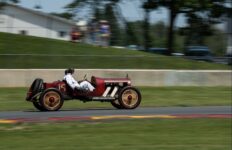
column 72, row 82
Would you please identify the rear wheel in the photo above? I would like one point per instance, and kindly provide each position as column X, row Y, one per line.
column 51, row 100
column 116, row 104
column 129, row 98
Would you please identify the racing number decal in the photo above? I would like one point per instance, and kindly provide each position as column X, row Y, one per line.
column 62, row 87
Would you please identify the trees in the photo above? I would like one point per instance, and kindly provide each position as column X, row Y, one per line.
column 207, row 10
column 201, row 19
column 196, row 31
column 148, row 5
column 3, row 2
column 75, row 5
column 93, row 5
column 9, row 1
column 100, row 9
column 200, row 15
column 110, row 16
column 133, row 33
column 158, row 32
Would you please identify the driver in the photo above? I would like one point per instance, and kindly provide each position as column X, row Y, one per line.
column 84, row 85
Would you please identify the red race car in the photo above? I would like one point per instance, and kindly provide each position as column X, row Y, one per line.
column 51, row 96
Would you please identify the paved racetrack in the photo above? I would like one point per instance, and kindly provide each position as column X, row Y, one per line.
column 80, row 114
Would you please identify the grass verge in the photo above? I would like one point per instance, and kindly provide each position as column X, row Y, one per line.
column 63, row 54
column 162, row 134
column 14, row 98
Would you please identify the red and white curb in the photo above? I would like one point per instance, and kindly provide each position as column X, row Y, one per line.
column 64, row 119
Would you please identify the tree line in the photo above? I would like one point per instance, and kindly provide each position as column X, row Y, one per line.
column 200, row 16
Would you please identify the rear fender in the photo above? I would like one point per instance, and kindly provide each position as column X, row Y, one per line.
column 36, row 87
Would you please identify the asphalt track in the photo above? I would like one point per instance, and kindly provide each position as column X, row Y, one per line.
column 104, row 113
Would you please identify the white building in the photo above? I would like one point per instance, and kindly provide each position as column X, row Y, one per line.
column 19, row 20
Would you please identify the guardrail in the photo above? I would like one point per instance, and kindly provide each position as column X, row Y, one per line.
column 24, row 77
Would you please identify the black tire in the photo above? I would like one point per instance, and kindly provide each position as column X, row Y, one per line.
column 38, row 106
column 116, row 104
column 36, row 87
column 51, row 100
column 129, row 97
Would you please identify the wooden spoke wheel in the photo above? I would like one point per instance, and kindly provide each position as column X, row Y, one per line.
column 129, row 97
column 51, row 100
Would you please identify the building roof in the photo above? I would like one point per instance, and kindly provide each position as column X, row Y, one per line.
column 43, row 14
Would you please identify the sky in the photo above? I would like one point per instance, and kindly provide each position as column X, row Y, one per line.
column 47, row 5
column 130, row 10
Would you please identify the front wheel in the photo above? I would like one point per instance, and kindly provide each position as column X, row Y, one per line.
column 51, row 100
column 116, row 104
column 129, row 98
column 38, row 106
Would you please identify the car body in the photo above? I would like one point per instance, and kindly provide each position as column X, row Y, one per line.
column 178, row 54
column 50, row 96
column 201, row 53
column 158, row 50
column 229, row 54
column 229, row 59
column 134, row 47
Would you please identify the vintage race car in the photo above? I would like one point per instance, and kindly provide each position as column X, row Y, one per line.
column 51, row 96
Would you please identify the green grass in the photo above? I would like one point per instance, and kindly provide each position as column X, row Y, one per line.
column 112, row 58
column 161, row 134
column 14, row 98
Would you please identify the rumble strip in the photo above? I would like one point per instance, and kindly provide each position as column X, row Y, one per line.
column 65, row 119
